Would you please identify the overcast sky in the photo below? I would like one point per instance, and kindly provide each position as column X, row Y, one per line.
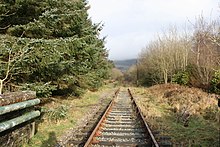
column 130, row 24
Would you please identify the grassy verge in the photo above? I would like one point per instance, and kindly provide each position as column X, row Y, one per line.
column 65, row 115
column 189, row 116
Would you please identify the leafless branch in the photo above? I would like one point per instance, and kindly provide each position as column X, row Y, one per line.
column 5, row 27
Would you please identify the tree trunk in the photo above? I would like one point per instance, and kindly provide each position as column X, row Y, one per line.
column 165, row 76
column 1, row 86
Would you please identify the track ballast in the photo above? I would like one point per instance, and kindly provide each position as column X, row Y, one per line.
column 122, row 125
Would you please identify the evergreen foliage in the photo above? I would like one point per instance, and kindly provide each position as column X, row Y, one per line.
column 62, row 50
column 181, row 78
column 20, row 12
column 215, row 82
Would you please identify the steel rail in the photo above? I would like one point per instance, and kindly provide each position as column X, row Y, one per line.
column 145, row 123
column 101, row 120
column 98, row 125
column 139, row 113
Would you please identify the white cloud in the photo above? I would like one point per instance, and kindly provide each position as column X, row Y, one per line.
column 130, row 24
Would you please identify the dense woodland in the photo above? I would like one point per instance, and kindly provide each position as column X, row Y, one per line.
column 51, row 47
column 190, row 57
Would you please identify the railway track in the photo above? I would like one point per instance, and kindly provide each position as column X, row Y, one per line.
column 122, row 124
column 79, row 137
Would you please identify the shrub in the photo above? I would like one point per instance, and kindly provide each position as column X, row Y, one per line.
column 56, row 114
column 16, row 30
column 215, row 82
column 42, row 89
column 211, row 113
column 181, row 78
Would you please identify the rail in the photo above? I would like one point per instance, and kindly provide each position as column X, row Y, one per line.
column 146, row 125
column 148, row 139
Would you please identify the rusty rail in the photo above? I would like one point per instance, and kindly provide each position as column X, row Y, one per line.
column 150, row 135
column 98, row 125
column 146, row 125
column 101, row 120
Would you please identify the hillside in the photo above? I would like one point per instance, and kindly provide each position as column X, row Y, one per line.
column 123, row 65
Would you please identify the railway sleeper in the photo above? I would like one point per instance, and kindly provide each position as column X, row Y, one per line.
column 140, row 136
column 121, row 108
column 120, row 119
column 116, row 139
column 121, row 123
column 120, row 114
column 119, row 144
column 125, row 131
column 122, row 126
column 121, row 111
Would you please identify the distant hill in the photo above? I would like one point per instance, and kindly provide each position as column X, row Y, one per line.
column 123, row 65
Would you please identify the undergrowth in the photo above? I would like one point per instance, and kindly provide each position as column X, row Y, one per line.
column 62, row 115
column 188, row 115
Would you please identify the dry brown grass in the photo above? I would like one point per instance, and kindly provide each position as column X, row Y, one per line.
column 189, row 115
column 179, row 97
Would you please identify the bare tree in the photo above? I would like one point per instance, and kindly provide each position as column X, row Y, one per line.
column 173, row 51
column 8, row 60
column 167, row 55
column 205, row 52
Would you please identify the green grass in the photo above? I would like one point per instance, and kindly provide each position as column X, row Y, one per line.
column 200, row 132
column 49, row 131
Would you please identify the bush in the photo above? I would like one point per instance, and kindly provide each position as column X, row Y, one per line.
column 215, row 82
column 56, row 114
column 16, row 31
column 211, row 113
column 42, row 89
column 181, row 78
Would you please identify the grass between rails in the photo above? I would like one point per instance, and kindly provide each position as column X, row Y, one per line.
column 165, row 108
column 73, row 109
